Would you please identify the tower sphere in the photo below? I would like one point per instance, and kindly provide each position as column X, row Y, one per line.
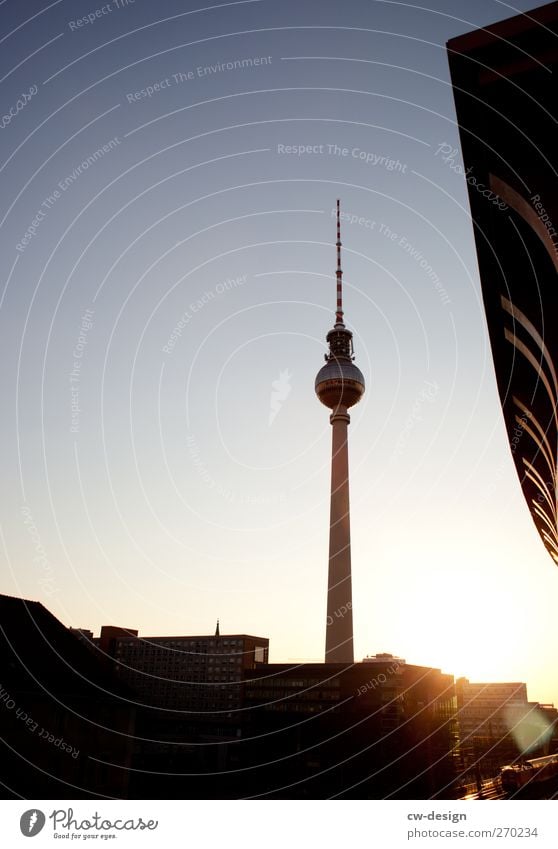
column 339, row 383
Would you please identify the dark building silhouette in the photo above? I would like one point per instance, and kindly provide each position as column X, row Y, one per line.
column 202, row 717
column 504, row 83
column 215, row 720
column 368, row 730
column 66, row 723
column 189, row 697
column 106, row 642
column 83, row 634
column 381, row 730
column 197, row 673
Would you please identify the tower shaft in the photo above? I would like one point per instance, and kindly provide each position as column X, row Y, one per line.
column 339, row 622
column 339, row 385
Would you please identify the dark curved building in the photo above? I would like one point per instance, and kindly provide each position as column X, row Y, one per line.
column 67, row 723
column 504, row 83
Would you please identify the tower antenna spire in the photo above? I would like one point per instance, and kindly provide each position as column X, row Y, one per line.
column 339, row 271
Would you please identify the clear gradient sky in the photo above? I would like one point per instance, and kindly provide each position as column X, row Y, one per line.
column 166, row 259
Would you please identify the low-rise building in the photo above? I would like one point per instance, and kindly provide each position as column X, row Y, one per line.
column 489, row 716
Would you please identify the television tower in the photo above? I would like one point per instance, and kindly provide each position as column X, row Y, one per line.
column 339, row 385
